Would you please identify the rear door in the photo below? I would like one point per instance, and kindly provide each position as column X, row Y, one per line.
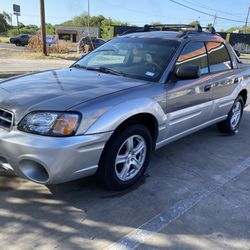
column 222, row 75
column 189, row 102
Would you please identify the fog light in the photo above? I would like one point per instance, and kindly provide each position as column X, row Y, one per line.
column 34, row 171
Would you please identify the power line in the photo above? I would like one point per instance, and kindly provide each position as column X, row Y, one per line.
column 205, row 13
column 142, row 12
column 197, row 3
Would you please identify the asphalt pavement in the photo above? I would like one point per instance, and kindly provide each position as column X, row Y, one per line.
column 12, row 47
column 195, row 195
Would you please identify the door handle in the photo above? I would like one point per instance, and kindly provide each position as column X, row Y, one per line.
column 207, row 88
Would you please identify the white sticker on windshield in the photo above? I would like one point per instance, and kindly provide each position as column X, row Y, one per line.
column 148, row 73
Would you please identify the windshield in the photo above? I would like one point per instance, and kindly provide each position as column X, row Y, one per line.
column 141, row 58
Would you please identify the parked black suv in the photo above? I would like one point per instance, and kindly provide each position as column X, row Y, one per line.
column 20, row 40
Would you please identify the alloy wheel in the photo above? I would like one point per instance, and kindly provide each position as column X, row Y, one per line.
column 130, row 157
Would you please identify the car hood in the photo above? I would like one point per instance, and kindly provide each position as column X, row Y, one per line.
column 59, row 90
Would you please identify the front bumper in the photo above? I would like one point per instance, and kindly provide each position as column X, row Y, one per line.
column 51, row 160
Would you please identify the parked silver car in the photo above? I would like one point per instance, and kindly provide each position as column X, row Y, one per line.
column 108, row 112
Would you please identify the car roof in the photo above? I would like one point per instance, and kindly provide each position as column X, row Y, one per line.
column 177, row 35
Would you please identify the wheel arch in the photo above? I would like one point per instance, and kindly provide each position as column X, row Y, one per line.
column 146, row 119
column 243, row 93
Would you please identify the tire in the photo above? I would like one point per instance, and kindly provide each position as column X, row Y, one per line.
column 120, row 167
column 231, row 124
column 18, row 43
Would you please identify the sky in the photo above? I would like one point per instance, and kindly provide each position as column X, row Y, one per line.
column 138, row 12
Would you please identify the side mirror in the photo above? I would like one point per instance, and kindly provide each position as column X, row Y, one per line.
column 186, row 72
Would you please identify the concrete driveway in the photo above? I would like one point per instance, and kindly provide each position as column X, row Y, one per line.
column 195, row 195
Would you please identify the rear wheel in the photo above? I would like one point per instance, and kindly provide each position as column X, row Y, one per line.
column 125, row 157
column 232, row 123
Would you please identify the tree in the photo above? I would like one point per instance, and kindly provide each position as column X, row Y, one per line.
column 238, row 28
column 105, row 24
column 4, row 26
column 50, row 29
column 7, row 17
column 156, row 23
column 194, row 22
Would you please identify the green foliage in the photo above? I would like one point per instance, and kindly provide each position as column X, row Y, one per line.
column 50, row 29
column 106, row 30
column 241, row 28
column 7, row 17
column 4, row 26
column 65, row 37
column 31, row 29
column 194, row 22
column 28, row 29
column 23, row 30
column 156, row 23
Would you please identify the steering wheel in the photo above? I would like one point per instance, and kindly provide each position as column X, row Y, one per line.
column 153, row 65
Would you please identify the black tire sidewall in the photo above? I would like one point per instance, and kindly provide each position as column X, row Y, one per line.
column 238, row 99
column 107, row 171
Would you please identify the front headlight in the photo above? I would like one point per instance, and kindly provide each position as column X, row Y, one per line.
column 50, row 123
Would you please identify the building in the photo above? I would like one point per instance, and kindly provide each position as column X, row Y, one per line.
column 75, row 33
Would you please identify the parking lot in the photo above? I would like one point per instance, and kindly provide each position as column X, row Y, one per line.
column 195, row 195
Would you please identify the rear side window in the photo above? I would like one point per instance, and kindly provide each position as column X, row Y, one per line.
column 194, row 54
column 218, row 57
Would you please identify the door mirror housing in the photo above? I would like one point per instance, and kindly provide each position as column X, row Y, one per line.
column 186, row 72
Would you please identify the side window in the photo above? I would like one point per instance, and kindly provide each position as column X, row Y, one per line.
column 218, row 57
column 194, row 54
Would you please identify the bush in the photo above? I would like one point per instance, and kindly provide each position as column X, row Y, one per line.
column 23, row 30
column 35, row 44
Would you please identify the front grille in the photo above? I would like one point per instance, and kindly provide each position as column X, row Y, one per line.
column 6, row 119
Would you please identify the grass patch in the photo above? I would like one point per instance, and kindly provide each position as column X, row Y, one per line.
column 4, row 39
column 245, row 56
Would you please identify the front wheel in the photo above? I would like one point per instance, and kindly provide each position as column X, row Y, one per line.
column 125, row 157
column 232, row 123
column 18, row 43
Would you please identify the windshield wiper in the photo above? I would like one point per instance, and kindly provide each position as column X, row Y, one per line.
column 105, row 70
column 100, row 69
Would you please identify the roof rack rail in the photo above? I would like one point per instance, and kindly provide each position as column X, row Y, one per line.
column 173, row 27
column 185, row 28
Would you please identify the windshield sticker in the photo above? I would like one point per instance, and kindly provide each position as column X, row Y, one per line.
column 148, row 73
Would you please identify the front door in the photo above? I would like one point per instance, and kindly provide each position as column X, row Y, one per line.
column 189, row 102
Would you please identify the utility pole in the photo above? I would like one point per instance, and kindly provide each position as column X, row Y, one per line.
column 215, row 18
column 248, row 12
column 43, row 28
column 88, row 18
column 17, row 24
column 11, row 22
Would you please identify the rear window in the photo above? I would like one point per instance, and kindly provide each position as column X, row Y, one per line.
column 218, row 57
